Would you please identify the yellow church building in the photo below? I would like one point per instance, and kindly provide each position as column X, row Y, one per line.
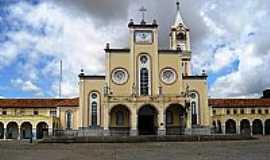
column 146, row 90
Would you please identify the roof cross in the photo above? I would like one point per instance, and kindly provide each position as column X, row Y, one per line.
column 143, row 10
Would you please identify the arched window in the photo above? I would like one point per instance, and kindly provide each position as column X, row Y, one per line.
column 194, row 108
column 144, row 82
column 194, row 113
column 144, row 75
column 94, row 109
column 94, row 114
column 69, row 118
column 120, row 118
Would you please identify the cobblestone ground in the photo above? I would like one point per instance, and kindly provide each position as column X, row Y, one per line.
column 218, row 150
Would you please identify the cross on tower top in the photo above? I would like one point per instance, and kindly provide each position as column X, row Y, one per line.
column 178, row 5
column 143, row 10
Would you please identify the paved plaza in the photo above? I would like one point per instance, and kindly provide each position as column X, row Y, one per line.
column 218, row 150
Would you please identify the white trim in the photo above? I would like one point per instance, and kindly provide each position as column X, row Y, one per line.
column 165, row 80
column 91, row 100
column 71, row 120
column 147, row 65
column 117, row 81
column 196, row 100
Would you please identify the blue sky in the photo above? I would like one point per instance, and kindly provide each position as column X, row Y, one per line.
column 229, row 40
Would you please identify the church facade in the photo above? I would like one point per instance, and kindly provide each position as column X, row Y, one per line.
column 146, row 90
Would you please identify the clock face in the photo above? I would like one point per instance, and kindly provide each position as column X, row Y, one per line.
column 143, row 37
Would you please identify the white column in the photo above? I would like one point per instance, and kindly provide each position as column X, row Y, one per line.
column 251, row 129
column 106, row 118
column 161, row 123
column 34, row 134
column 263, row 128
column 134, row 120
column 238, row 129
column 223, row 128
column 50, row 131
column 19, row 133
column 5, row 132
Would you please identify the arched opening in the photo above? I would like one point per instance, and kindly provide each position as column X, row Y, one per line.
column 94, row 109
column 144, row 68
column 42, row 130
column 2, row 130
column 230, row 127
column 144, row 82
column 175, row 119
column 119, row 120
column 194, row 109
column 245, row 127
column 219, row 128
column 267, row 127
column 257, row 127
column 214, row 126
column 69, row 120
column 12, row 130
column 147, row 120
column 26, row 130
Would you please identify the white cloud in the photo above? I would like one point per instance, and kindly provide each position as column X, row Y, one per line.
column 237, row 35
column 26, row 86
column 72, row 38
column 237, row 31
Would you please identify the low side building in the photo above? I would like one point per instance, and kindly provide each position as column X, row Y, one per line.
column 36, row 118
column 240, row 116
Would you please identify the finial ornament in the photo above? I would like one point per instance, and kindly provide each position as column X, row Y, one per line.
column 178, row 5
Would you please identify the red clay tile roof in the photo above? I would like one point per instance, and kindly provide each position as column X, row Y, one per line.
column 38, row 103
column 227, row 103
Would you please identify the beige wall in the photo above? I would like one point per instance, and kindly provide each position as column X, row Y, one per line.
column 86, row 87
column 201, row 87
column 75, row 117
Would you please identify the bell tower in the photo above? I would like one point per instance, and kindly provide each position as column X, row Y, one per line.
column 179, row 35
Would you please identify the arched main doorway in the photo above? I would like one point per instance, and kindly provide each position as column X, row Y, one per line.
column 230, row 127
column 257, row 127
column 119, row 120
column 2, row 130
column 175, row 119
column 12, row 130
column 42, row 130
column 245, row 127
column 267, row 127
column 26, row 130
column 147, row 120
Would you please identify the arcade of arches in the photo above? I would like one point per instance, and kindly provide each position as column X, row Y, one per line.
column 244, row 126
column 25, row 130
column 147, row 120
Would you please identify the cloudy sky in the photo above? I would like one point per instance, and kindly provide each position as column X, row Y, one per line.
column 230, row 40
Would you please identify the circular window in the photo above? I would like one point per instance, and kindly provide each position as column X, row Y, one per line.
column 168, row 76
column 193, row 95
column 119, row 76
column 94, row 95
column 143, row 59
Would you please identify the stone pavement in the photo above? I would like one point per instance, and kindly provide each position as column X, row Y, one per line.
column 216, row 150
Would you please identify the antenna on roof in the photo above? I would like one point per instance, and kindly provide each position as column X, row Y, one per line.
column 60, row 79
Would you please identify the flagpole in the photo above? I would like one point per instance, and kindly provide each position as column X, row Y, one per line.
column 60, row 79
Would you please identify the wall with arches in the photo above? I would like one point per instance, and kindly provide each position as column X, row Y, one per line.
column 245, row 120
column 25, row 129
